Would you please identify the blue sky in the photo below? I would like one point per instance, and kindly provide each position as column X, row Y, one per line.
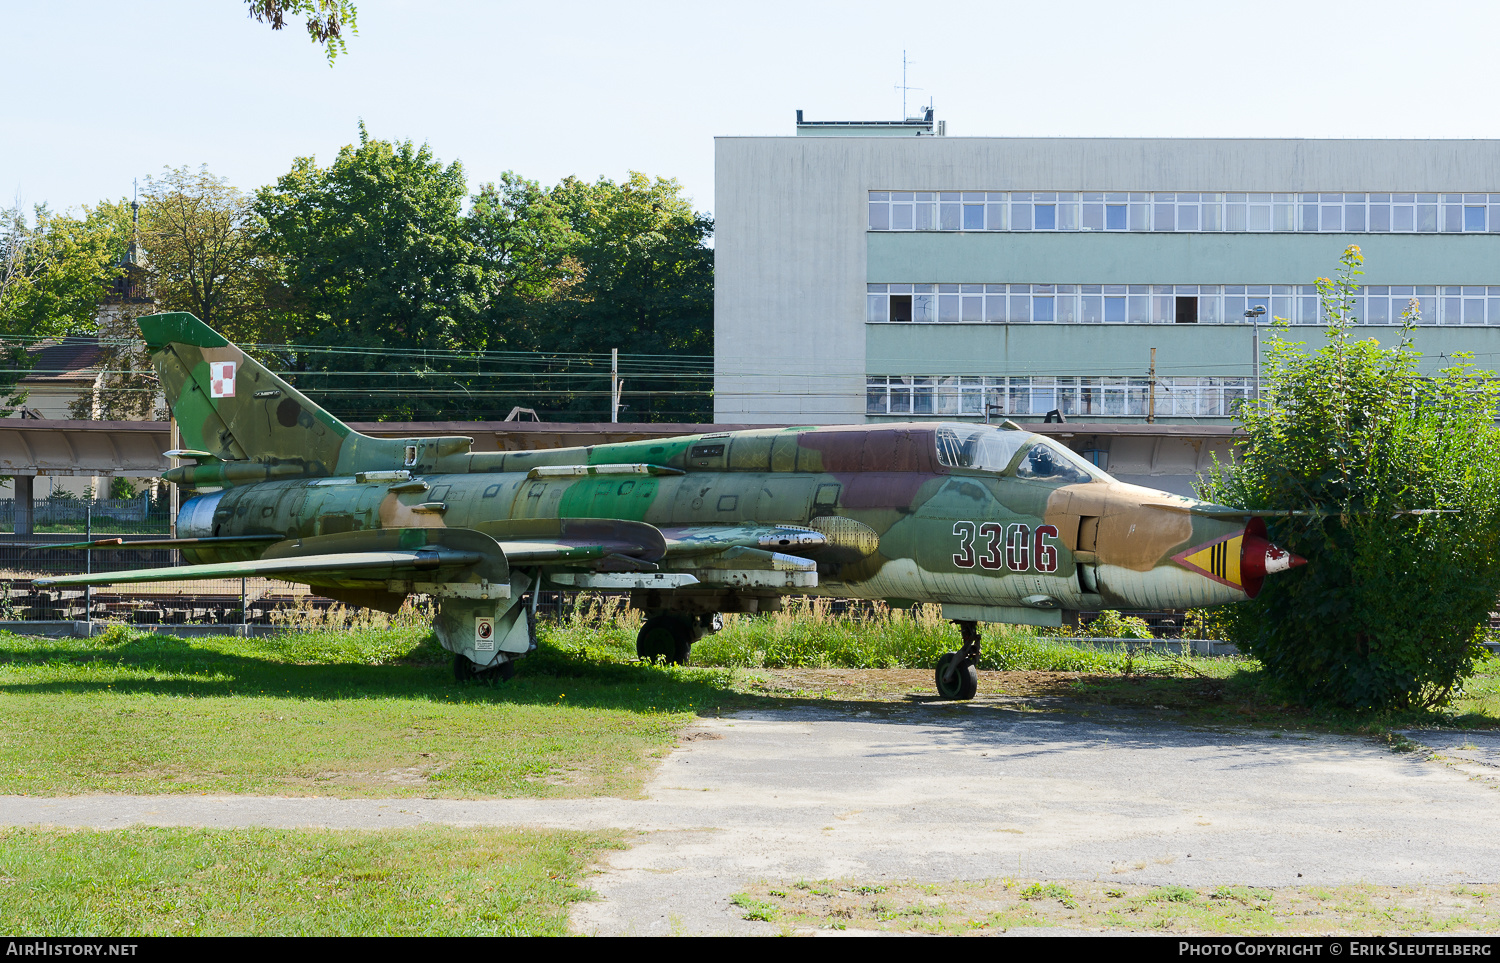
column 101, row 92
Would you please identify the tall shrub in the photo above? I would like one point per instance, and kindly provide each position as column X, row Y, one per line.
column 1393, row 477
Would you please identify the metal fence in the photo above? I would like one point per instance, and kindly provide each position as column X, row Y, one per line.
column 60, row 513
column 59, row 521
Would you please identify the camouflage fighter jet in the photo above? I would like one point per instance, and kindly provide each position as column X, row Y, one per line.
column 995, row 524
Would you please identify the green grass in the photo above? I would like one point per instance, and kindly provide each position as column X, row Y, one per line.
column 355, row 712
column 433, row 881
column 365, row 709
column 1239, row 691
column 105, row 526
column 999, row 905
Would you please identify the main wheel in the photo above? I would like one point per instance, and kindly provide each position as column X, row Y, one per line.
column 664, row 638
column 463, row 669
column 964, row 681
column 499, row 672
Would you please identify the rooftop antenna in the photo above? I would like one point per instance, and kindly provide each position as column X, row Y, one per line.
column 904, row 88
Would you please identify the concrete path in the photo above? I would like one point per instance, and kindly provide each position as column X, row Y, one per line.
column 939, row 793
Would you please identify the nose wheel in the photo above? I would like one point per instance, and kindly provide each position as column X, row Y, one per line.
column 957, row 673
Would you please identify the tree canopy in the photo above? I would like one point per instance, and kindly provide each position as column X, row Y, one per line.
column 389, row 289
column 386, row 265
column 200, row 235
column 55, row 269
column 326, row 20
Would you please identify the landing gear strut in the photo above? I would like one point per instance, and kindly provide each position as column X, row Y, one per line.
column 958, row 672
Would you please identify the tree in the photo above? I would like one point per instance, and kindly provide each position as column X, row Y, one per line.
column 378, row 266
column 408, row 306
column 54, row 271
column 1397, row 479
column 326, row 20
column 201, row 258
column 647, row 283
column 644, row 284
column 526, row 246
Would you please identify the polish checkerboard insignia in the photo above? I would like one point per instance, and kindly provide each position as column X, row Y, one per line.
column 221, row 379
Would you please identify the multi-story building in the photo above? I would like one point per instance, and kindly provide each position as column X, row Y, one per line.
column 893, row 273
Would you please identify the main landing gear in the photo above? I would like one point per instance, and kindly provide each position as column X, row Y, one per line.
column 501, row 670
column 958, row 672
column 466, row 671
column 669, row 637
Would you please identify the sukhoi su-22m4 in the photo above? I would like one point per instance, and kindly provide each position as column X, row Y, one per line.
column 995, row 524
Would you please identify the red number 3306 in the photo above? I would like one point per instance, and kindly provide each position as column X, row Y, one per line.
column 1014, row 547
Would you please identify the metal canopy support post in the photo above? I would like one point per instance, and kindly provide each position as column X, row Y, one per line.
column 25, row 484
column 88, row 567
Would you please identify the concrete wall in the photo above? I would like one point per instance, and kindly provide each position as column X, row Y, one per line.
column 793, row 254
column 1166, row 258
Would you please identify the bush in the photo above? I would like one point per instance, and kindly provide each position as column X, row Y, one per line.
column 1110, row 624
column 1395, row 476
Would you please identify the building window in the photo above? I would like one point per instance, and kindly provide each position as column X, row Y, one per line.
column 966, row 396
column 1161, row 211
column 1298, row 304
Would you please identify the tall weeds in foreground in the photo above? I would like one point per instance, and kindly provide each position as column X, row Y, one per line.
column 312, row 635
column 808, row 633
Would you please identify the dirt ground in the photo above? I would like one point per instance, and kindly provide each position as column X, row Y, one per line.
column 908, row 685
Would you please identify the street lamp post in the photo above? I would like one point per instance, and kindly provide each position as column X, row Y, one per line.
column 1254, row 314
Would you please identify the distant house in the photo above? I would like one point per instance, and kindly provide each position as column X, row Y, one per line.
column 62, row 372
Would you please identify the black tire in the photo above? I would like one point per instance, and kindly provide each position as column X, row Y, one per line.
column 964, row 683
column 463, row 669
column 665, row 638
column 499, row 672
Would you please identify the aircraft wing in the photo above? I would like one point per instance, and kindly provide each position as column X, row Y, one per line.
column 1224, row 511
column 600, row 544
column 600, row 552
column 365, row 565
column 450, row 561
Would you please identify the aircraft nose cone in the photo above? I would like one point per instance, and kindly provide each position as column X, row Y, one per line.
column 1259, row 558
column 1279, row 559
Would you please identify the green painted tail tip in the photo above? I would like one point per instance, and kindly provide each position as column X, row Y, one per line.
column 179, row 327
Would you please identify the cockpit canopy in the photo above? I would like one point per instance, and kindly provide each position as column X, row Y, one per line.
column 1010, row 452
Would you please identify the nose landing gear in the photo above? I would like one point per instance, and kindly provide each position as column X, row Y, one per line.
column 957, row 673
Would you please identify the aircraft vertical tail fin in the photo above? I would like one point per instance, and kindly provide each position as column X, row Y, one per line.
column 230, row 405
